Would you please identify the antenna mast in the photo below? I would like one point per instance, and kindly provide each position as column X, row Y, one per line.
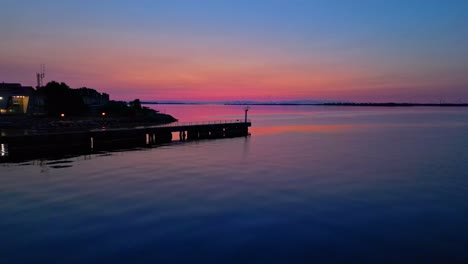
column 40, row 75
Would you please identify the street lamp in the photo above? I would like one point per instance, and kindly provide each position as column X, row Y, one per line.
column 246, row 110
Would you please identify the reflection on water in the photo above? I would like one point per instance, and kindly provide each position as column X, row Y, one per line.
column 324, row 186
column 303, row 128
column 3, row 150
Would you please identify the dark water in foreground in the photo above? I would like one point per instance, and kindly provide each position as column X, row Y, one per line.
column 311, row 184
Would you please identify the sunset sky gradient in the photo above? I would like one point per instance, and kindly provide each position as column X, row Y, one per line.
column 367, row 50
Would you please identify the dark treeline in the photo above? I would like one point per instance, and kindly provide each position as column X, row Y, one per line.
column 59, row 99
column 135, row 111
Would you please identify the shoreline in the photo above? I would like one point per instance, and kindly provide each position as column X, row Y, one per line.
column 24, row 124
column 366, row 104
column 318, row 104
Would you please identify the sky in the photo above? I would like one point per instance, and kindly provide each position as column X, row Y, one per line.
column 201, row 50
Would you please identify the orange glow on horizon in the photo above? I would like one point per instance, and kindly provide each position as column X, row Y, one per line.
column 250, row 73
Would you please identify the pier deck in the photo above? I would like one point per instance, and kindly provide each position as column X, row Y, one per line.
column 105, row 138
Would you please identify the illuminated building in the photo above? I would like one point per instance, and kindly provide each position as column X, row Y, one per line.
column 15, row 98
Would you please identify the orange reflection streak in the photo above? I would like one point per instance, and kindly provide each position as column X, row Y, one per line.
column 304, row 128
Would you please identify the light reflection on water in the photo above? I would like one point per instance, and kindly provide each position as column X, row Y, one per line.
column 309, row 185
column 3, row 150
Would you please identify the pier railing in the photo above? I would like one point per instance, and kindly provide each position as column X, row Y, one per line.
column 201, row 123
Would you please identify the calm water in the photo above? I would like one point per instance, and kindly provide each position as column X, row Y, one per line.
column 311, row 184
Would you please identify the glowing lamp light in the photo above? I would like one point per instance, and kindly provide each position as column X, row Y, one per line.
column 62, row 115
column 1, row 98
column 103, row 113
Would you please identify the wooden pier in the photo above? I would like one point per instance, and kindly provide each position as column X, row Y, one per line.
column 102, row 139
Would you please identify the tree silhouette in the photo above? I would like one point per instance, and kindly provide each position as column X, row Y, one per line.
column 59, row 98
column 135, row 105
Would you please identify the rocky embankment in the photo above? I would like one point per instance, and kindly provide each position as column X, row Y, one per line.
column 42, row 124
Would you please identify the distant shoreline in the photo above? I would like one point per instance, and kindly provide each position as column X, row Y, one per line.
column 319, row 104
column 399, row 104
